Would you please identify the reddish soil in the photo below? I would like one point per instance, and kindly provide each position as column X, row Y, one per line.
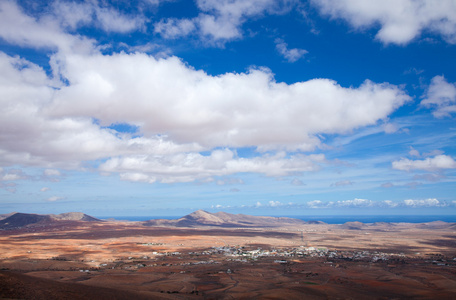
column 125, row 260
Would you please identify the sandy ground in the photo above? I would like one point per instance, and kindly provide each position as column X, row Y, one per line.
column 125, row 260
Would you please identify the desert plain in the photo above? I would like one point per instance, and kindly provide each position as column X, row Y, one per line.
column 135, row 260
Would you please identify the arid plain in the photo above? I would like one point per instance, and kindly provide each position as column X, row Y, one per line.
column 207, row 257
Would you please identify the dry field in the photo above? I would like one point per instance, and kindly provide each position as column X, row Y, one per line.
column 126, row 260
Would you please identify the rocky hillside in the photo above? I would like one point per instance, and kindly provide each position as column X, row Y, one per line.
column 19, row 220
column 203, row 218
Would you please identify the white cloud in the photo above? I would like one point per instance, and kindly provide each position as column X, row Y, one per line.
column 275, row 203
column 390, row 203
column 111, row 20
column 52, row 172
column 354, row 203
column 441, row 96
column 414, row 152
column 56, row 128
column 221, row 20
column 74, row 15
column 44, row 189
column 12, row 174
column 316, row 204
column 49, row 30
column 431, row 202
column 360, row 203
column 400, row 21
column 226, row 110
column 390, row 128
column 179, row 111
column 186, row 167
column 54, row 198
column 174, row 28
column 23, row 30
column 429, row 164
column 292, row 55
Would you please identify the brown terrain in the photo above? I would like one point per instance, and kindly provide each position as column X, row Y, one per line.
column 223, row 256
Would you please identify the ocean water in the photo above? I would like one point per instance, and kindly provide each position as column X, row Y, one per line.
column 330, row 219
column 379, row 218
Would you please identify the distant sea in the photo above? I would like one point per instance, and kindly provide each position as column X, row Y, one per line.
column 328, row 218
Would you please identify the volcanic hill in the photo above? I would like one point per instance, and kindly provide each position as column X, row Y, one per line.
column 203, row 218
column 19, row 220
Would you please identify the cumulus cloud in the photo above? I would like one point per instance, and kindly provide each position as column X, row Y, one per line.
column 436, row 163
column 53, row 175
column 431, row 202
column 390, row 128
column 360, row 203
column 390, row 203
column 354, row 203
column 441, row 97
column 292, row 55
column 12, row 175
column 230, row 110
column 400, row 21
column 73, row 15
column 48, row 31
column 174, row 28
column 275, row 203
column 18, row 28
column 316, row 204
column 179, row 111
column 223, row 19
column 185, row 167
column 220, row 20
column 44, row 189
column 234, row 110
column 54, row 198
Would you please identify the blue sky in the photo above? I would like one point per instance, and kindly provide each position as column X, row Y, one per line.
column 163, row 107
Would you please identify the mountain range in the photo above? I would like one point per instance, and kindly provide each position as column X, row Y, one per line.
column 222, row 219
column 198, row 219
